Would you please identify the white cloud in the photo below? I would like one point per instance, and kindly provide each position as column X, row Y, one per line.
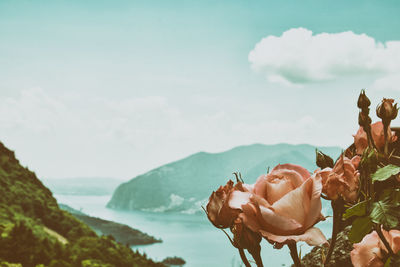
column 60, row 136
column 299, row 57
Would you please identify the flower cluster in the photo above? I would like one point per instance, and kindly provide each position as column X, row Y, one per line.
column 284, row 205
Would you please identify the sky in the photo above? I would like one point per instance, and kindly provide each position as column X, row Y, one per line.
column 117, row 88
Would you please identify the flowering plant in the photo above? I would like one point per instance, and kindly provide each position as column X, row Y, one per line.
column 282, row 206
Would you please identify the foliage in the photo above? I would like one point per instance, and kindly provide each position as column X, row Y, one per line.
column 385, row 173
column 34, row 231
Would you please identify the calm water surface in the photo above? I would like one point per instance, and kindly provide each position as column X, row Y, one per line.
column 191, row 237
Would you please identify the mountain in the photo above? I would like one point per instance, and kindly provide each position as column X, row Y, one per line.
column 185, row 184
column 34, row 231
column 121, row 232
column 85, row 186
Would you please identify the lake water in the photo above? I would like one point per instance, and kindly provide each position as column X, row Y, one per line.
column 191, row 237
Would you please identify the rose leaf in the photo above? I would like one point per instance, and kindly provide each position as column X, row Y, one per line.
column 385, row 213
column 361, row 227
column 359, row 209
column 385, row 173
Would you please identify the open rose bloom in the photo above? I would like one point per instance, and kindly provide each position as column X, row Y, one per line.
column 282, row 206
column 341, row 180
column 370, row 251
column 377, row 132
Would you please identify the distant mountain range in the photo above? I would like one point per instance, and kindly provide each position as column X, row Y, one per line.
column 185, row 184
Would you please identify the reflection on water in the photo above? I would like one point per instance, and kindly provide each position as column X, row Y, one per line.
column 190, row 237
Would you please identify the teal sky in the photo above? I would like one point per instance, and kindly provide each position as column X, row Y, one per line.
column 115, row 88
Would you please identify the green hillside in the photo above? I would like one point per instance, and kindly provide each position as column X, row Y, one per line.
column 35, row 232
column 184, row 184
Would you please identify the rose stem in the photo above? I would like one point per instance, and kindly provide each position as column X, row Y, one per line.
column 382, row 237
column 256, row 256
column 293, row 254
column 385, row 129
column 243, row 257
column 335, row 228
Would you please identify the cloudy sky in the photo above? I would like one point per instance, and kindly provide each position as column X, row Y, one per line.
column 116, row 88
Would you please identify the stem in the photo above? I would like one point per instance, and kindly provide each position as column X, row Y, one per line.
column 294, row 255
column 370, row 139
column 385, row 129
column 382, row 237
column 337, row 214
column 243, row 257
column 256, row 255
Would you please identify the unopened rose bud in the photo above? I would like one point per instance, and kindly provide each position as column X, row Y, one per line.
column 323, row 161
column 363, row 101
column 386, row 110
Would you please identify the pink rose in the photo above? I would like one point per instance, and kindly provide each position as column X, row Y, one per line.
column 361, row 141
column 342, row 180
column 283, row 206
column 368, row 253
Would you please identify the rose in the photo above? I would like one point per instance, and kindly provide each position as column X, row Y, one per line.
column 222, row 216
column 218, row 211
column 283, row 206
column 368, row 253
column 342, row 180
column 361, row 141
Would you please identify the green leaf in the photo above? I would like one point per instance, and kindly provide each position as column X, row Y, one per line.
column 360, row 209
column 383, row 212
column 393, row 261
column 361, row 227
column 322, row 160
column 387, row 263
column 385, row 173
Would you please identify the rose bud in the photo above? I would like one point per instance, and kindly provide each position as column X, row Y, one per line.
column 243, row 237
column 370, row 251
column 386, row 111
column 283, row 206
column 342, row 180
column 363, row 101
column 361, row 141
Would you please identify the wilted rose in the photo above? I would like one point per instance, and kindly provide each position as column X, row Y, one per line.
column 369, row 252
column 283, row 206
column 361, row 141
column 218, row 211
column 341, row 180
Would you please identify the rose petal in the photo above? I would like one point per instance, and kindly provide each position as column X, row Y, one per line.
column 277, row 187
column 304, row 173
column 313, row 237
column 238, row 198
column 356, row 161
column 260, row 186
column 393, row 238
column 324, row 174
column 367, row 252
column 314, row 213
column 295, row 204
